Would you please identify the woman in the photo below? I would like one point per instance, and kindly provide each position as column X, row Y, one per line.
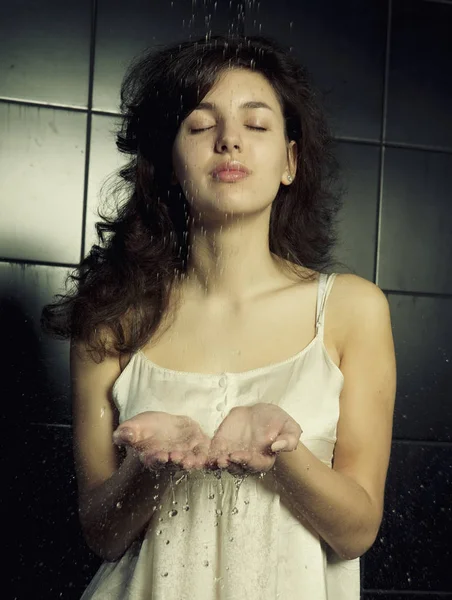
column 232, row 428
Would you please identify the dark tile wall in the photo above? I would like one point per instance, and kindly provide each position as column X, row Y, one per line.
column 384, row 69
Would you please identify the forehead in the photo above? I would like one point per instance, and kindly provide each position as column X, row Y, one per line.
column 242, row 88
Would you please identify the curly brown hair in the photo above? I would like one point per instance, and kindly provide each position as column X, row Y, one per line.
column 123, row 286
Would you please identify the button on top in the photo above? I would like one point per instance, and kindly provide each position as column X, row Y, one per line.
column 222, row 382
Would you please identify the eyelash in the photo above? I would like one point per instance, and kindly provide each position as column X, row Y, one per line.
column 206, row 128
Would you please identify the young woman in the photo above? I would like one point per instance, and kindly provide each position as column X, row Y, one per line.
column 233, row 396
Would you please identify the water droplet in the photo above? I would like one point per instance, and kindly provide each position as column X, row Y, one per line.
column 246, row 501
column 206, row 563
column 167, row 542
column 165, row 574
column 219, row 512
column 184, row 476
column 172, row 513
column 118, row 504
column 211, row 496
column 186, row 507
column 235, row 510
column 159, row 532
column 155, row 497
column 231, row 539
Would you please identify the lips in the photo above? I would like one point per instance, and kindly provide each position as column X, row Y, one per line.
column 230, row 176
column 230, row 166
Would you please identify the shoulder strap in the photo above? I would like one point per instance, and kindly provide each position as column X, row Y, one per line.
column 325, row 284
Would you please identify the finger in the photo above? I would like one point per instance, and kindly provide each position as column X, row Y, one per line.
column 191, row 461
column 290, row 436
column 279, row 445
column 217, row 451
column 200, row 454
column 292, row 432
column 123, row 436
column 223, row 462
column 254, row 462
column 177, row 456
column 240, row 457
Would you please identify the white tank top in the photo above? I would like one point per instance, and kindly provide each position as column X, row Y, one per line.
column 236, row 541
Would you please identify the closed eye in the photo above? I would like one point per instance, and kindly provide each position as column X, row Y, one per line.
column 206, row 128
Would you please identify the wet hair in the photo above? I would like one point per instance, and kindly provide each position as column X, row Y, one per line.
column 123, row 285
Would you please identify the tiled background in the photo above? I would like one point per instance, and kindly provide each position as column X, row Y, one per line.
column 385, row 67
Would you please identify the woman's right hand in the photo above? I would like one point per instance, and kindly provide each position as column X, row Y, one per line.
column 165, row 441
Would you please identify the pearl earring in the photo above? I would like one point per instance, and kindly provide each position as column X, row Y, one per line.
column 289, row 177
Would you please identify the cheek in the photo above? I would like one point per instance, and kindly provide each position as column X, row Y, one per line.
column 192, row 159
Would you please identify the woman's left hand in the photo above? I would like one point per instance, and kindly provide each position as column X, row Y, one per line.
column 250, row 437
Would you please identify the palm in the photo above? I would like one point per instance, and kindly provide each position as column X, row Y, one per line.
column 251, row 436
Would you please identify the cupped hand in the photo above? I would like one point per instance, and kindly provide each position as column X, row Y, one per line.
column 164, row 441
column 250, row 438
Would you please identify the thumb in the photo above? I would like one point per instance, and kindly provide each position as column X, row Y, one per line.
column 123, row 436
column 279, row 445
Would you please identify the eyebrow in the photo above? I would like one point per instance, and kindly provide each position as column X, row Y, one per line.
column 252, row 104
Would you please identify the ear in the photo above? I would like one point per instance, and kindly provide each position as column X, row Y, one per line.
column 291, row 162
column 292, row 153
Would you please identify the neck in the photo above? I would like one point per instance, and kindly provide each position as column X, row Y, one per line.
column 231, row 264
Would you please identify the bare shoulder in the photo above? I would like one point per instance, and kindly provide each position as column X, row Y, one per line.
column 356, row 293
column 356, row 287
column 355, row 299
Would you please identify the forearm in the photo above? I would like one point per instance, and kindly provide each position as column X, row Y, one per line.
column 338, row 508
column 113, row 514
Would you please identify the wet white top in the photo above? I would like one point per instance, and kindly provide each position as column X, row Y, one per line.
column 236, row 541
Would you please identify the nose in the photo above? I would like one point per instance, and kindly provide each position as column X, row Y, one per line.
column 227, row 140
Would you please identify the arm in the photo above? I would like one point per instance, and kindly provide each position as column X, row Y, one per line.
column 345, row 503
column 115, row 496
